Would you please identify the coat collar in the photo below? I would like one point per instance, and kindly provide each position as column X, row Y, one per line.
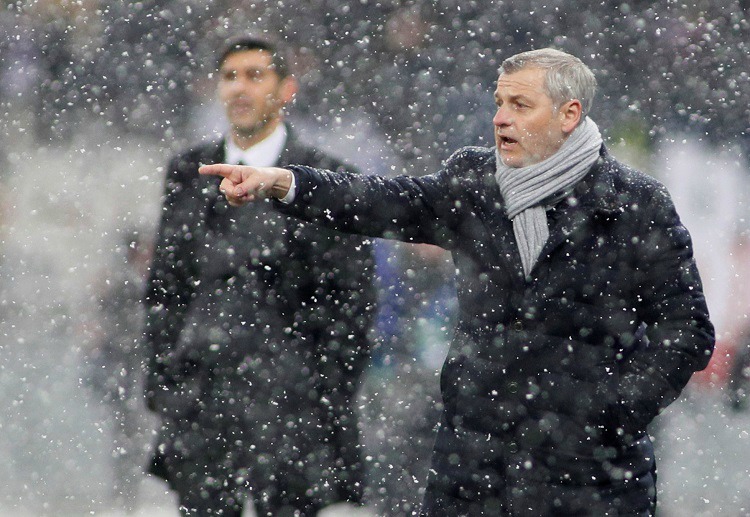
column 595, row 194
column 215, row 152
column 596, row 191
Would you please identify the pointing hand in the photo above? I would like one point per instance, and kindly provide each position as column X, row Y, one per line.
column 242, row 184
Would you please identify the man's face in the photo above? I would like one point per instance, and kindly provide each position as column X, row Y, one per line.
column 251, row 91
column 529, row 128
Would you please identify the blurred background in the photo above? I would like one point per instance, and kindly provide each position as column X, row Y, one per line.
column 96, row 95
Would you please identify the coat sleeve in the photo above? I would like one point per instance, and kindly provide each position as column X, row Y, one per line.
column 427, row 209
column 680, row 336
column 169, row 286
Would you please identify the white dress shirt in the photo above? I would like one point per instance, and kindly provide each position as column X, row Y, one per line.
column 265, row 153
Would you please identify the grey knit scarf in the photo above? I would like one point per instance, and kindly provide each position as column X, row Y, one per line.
column 526, row 189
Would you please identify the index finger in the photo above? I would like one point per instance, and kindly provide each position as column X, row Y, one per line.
column 225, row 170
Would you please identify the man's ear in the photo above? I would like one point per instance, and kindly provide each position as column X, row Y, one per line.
column 570, row 115
column 288, row 89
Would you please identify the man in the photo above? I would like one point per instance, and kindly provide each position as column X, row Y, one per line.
column 581, row 309
column 257, row 326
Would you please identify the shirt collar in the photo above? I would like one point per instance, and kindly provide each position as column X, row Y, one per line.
column 265, row 153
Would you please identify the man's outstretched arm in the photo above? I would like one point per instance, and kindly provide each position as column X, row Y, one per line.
column 243, row 184
column 411, row 209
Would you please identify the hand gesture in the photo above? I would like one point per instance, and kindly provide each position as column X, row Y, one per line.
column 242, row 184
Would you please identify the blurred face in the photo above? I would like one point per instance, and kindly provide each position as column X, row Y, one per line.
column 252, row 93
column 529, row 128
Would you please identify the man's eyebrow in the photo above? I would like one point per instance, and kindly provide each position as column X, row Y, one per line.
column 514, row 97
column 252, row 70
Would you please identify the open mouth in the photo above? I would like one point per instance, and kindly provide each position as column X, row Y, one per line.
column 505, row 140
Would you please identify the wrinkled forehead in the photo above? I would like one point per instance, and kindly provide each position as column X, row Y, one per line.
column 526, row 81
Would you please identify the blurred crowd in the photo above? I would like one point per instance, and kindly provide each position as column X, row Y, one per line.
column 421, row 68
column 420, row 75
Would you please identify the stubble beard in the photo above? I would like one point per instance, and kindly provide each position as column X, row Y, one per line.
column 247, row 135
column 250, row 131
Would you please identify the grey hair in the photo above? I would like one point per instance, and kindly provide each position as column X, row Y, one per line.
column 567, row 77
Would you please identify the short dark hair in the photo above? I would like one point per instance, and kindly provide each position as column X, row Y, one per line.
column 250, row 42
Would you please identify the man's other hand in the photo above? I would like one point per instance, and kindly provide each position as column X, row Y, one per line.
column 242, row 184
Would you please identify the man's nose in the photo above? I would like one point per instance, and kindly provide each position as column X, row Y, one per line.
column 239, row 85
column 501, row 118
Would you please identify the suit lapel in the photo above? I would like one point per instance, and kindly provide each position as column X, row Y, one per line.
column 292, row 152
column 208, row 186
column 595, row 193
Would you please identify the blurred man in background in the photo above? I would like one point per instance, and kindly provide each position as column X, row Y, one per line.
column 257, row 339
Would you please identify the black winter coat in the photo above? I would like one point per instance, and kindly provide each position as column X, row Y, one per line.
column 257, row 331
column 551, row 378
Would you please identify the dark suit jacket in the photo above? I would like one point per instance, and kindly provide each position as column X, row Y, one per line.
column 551, row 378
column 257, row 330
